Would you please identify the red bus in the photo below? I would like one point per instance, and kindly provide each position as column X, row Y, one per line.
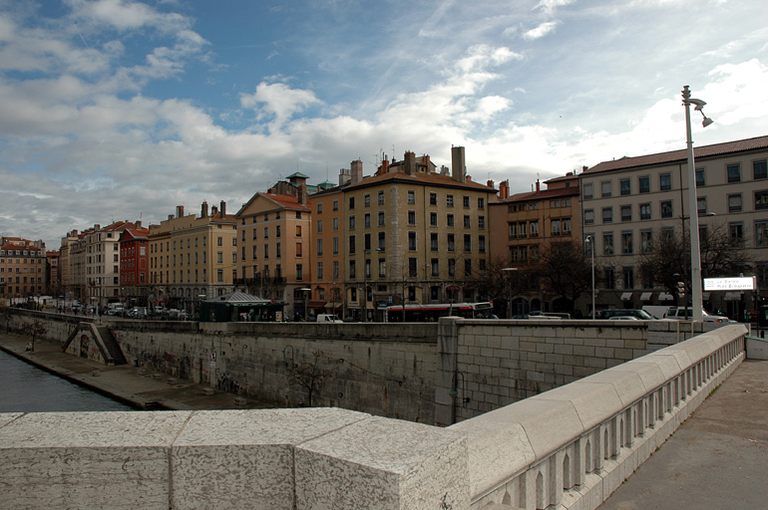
column 433, row 311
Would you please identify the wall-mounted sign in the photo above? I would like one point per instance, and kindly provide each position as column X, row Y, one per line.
column 736, row 283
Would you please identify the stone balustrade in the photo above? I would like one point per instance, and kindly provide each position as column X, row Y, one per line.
column 572, row 446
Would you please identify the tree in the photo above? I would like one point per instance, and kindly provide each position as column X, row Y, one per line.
column 669, row 259
column 504, row 280
column 566, row 270
column 35, row 330
column 310, row 376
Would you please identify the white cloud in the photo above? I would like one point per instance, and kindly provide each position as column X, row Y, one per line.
column 540, row 31
column 278, row 100
column 126, row 15
column 549, row 6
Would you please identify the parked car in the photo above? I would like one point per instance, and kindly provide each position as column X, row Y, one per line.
column 328, row 317
column 625, row 312
column 138, row 312
column 624, row 318
column 680, row 313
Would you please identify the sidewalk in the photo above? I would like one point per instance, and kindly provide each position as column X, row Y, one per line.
column 125, row 383
column 717, row 459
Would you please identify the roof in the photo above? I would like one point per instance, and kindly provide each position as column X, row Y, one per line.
column 239, row 298
column 297, row 175
column 286, row 201
column 539, row 195
column 681, row 155
column 422, row 178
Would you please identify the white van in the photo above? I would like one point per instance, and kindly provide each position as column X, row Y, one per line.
column 328, row 317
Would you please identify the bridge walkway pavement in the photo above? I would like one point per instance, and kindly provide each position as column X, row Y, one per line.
column 144, row 390
column 717, row 459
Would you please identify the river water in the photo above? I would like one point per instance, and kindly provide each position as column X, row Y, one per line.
column 25, row 388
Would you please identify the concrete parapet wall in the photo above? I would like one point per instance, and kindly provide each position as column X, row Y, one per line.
column 572, row 446
column 259, row 459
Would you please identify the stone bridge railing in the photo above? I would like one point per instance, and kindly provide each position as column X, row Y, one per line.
column 572, row 446
column 566, row 448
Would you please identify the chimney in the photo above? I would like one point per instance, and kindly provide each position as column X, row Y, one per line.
column 458, row 165
column 356, row 168
column 504, row 190
column 428, row 162
column 410, row 163
column 302, row 194
column 538, row 186
column 204, row 209
column 344, row 177
column 138, row 224
column 384, row 165
column 214, row 211
column 467, row 178
column 170, row 217
column 490, row 183
column 179, row 211
column 96, row 226
column 223, row 208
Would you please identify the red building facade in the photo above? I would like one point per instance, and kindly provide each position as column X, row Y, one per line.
column 134, row 265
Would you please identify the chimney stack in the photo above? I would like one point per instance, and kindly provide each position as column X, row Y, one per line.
column 204, row 209
column 490, row 183
column 302, row 194
column 410, row 163
column 356, row 168
column 223, row 208
column 344, row 177
column 179, row 211
column 504, row 190
column 458, row 165
column 538, row 186
column 214, row 211
column 138, row 224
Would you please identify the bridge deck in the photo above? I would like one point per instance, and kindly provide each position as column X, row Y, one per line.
column 718, row 459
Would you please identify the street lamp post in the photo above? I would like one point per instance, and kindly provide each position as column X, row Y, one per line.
column 591, row 242
column 697, row 301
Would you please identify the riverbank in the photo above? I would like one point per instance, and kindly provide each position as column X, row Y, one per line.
column 126, row 384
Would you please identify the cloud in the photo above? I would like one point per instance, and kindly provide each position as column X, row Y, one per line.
column 549, row 6
column 126, row 15
column 278, row 100
column 540, row 30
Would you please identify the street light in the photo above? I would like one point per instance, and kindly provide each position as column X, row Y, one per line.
column 509, row 270
column 589, row 239
column 697, row 301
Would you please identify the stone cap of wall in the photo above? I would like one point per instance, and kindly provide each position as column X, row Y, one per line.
column 272, row 458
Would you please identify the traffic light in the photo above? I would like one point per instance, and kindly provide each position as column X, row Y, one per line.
column 681, row 289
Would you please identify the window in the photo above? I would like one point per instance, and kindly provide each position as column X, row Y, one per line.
column 412, row 241
column 367, row 200
column 352, row 270
column 411, row 217
column 367, row 220
column 299, row 250
column 626, row 213
column 481, row 222
column 433, row 199
column 759, row 170
column 644, row 184
column 435, row 265
column 481, row 203
column 336, row 270
column 381, row 219
column 646, row 241
column 665, row 182
column 700, row 180
column 629, row 277
column 411, row 198
column 736, row 233
column 734, row 202
column 666, row 208
column 433, row 241
column 465, row 201
column 588, row 192
column 335, row 205
column 277, row 231
column 298, row 230
column 219, row 241
column 351, row 202
column 382, row 241
column 380, row 198
column 626, row 243
column 451, row 267
column 451, row 242
column 335, row 245
column 467, row 242
column 589, row 216
column 761, row 234
column 449, row 220
column 533, row 227
column 277, row 250
column 607, row 214
column 382, row 267
column 352, row 223
column 319, row 246
column 608, row 243
column 605, row 189
column 701, row 205
column 733, row 172
column 467, row 267
column 449, row 200
column 761, row 199
column 299, row 271
column 319, row 209
column 555, row 227
column 467, row 223
column 645, row 211
column 624, row 187
column 412, row 269
column 481, row 244
column 352, row 244
column 433, row 219
column 335, row 224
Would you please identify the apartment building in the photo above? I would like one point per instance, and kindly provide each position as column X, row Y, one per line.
column 66, row 264
column 192, row 258
column 627, row 203
column 22, row 268
column 409, row 233
column 52, row 276
column 525, row 225
column 275, row 233
column 134, row 265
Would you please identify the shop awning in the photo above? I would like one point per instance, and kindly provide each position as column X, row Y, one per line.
column 646, row 296
column 665, row 296
column 626, row 296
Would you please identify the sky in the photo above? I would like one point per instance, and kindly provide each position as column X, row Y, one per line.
column 120, row 109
